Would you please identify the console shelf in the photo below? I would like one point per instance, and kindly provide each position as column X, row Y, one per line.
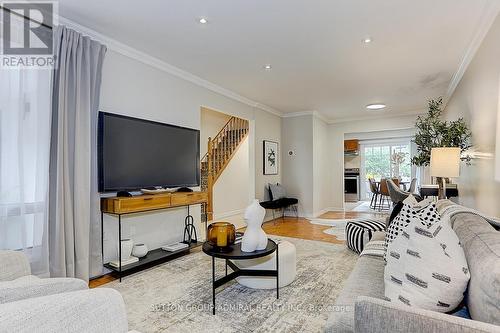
column 119, row 206
column 153, row 258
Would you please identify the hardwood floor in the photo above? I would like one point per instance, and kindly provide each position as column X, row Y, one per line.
column 299, row 228
column 286, row 227
column 350, row 215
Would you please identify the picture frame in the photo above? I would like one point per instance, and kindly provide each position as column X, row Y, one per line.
column 270, row 157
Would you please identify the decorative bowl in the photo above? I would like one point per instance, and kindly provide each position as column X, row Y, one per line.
column 140, row 250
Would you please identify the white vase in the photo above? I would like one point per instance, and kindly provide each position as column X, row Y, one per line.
column 127, row 245
column 254, row 238
column 140, row 250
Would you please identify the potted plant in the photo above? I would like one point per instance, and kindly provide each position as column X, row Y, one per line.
column 433, row 132
column 397, row 159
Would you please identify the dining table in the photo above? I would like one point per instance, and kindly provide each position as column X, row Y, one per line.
column 402, row 183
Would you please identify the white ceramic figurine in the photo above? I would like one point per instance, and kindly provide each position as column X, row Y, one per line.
column 254, row 238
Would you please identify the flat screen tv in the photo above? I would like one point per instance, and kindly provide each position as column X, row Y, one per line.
column 135, row 153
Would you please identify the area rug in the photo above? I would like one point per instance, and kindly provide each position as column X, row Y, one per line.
column 177, row 296
column 337, row 229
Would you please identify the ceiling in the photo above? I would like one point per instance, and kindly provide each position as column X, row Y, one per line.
column 319, row 61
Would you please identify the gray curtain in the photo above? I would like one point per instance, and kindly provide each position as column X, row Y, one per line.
column 74, row 220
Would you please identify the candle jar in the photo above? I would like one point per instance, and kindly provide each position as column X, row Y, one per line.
column 221, row 235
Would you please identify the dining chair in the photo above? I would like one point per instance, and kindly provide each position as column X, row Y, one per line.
column 396, row 181
column 395, row 192
column 413, row 185
column 375, row 193
column 384, row 195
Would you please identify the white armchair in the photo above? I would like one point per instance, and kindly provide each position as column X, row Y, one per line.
column 17, row 283
column 31, row 304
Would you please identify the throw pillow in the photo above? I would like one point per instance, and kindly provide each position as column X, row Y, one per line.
column 395, row 212
column 277, row 191
column 425, row 211
column 426, row 266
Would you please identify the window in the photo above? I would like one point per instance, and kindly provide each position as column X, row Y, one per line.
column 24, row 163
column 385, row 159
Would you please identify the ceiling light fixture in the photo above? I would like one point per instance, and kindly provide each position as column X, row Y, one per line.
column 268, row 67
column 203, row 20
column 376, row 106
column 367, row 40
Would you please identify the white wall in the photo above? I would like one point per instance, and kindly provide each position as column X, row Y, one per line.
column 269, row 128
column 211, row 123
column 477, row 100
column 322, row 175
column 231, row 191
column 338, row 131
column 297, row 136
column 133, row 88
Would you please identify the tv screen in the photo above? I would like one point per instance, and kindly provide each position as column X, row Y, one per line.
column 136, row 153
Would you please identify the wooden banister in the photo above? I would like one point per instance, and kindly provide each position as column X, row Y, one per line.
column 220, row 151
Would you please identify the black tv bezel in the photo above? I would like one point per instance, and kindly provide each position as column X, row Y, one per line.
column 100, row 153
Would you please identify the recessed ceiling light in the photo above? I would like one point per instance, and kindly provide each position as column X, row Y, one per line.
column 203, row 20
column 376, row 106
column 367, row 40
column 268, row 67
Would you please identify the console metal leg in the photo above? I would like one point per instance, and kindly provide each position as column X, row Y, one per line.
column 213, row 285
column 120, row 246
column 226, row 267
column 102, row 237
column 277, row 273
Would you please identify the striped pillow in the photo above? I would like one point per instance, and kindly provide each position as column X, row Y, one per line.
column 360, row 231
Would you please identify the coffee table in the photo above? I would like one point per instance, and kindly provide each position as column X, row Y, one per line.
column 235, row 253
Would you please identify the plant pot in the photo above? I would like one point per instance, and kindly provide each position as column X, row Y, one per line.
column 127, row 245
column 140, row 250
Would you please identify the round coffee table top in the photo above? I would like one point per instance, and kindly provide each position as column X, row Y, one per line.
column 236, row 253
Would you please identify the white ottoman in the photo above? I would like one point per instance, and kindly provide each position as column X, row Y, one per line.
column 287, row 269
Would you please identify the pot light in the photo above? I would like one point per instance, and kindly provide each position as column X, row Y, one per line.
column 367, row 40
column 203, row 20
column 376, row 106
column 268, row 67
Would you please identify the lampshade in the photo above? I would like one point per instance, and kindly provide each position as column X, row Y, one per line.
column 445, row 162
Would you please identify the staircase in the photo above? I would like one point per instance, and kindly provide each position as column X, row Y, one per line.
column 221, row 150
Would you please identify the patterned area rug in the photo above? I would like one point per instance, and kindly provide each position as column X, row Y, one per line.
column 337, row 229
column 177, row 296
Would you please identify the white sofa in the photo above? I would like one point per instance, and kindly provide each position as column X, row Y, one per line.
column 31, row 304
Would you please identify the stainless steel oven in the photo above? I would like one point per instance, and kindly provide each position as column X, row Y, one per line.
column 351, row 185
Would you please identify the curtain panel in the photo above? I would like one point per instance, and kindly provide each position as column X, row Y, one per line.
column 74, row 219
column 24, row 164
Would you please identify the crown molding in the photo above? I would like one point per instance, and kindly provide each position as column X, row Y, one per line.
column 378, row 116
column 307, row 113
column 130, row 52
column 490, row 12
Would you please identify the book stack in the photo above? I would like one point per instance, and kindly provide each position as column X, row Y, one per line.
column 131, row 260
column 239, row 237
column 174, row 247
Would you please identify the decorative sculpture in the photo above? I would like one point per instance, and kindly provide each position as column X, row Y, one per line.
column 254, row 238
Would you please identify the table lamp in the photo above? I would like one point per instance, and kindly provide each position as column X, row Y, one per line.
column 445, row 163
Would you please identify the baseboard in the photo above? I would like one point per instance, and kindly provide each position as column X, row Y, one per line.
column 218, row 216
column 326, row 210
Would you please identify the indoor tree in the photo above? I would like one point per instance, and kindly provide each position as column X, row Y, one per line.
column 434, row 132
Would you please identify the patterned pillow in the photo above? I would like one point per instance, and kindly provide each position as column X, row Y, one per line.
column 426, row 266
column 425, row 212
